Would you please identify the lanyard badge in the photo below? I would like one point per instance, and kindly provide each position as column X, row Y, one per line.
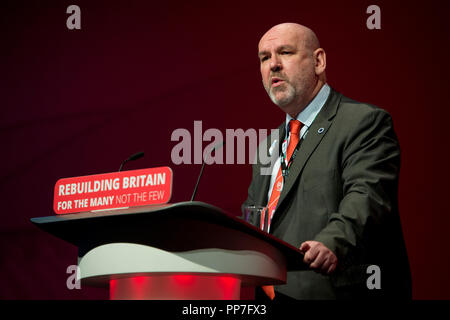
column 285, row 167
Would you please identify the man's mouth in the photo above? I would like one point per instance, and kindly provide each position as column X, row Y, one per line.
column 276, row 82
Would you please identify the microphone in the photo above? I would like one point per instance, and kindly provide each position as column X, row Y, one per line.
column 216, row 147
column 132, row 158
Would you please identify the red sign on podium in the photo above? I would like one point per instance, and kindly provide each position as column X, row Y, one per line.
column 113, row 190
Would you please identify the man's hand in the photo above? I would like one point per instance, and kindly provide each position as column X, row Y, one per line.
column 319, row 257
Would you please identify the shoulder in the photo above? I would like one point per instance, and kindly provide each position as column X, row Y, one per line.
column 353, row 116
column 350, row 109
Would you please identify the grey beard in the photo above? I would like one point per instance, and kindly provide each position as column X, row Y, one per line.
column 287, row 99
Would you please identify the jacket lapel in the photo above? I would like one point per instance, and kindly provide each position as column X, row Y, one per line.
column 316, row 132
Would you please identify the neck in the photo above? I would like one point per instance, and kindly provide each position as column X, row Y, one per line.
column 320, row 83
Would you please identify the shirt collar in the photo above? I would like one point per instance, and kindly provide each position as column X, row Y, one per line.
column 307, row 115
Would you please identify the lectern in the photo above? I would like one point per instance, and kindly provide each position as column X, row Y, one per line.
column 187, row 250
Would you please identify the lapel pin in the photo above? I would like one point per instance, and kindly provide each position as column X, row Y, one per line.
column 321, row 130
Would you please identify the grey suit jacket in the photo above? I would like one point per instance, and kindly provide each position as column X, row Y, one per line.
column 342, row 191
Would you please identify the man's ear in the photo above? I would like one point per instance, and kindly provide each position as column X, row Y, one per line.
column 320, row 61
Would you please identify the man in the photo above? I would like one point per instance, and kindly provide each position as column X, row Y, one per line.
column 333, row 190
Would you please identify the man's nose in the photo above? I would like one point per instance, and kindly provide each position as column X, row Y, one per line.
column 275, row 64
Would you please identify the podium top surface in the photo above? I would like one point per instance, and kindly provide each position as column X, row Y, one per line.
column 174, row 227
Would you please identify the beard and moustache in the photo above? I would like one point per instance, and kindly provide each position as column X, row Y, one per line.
column 288, row 94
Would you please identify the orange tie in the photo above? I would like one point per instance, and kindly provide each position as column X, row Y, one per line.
column 295, row 127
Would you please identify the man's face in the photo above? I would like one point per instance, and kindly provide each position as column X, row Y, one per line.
column 287, row 68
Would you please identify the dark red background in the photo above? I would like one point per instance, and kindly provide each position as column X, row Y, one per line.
column 79, row 102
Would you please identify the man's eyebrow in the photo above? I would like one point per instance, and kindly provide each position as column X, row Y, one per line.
column 285, row 47
column 280, row 48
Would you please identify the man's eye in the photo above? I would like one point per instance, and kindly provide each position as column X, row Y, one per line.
column 264, row 59
column 285, row 52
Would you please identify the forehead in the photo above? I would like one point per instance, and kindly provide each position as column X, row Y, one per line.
column 278, row 38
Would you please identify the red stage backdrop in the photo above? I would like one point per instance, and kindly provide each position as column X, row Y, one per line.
column 79, row 102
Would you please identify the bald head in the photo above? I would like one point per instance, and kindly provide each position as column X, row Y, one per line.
column 292, row 66
column 304, row 36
